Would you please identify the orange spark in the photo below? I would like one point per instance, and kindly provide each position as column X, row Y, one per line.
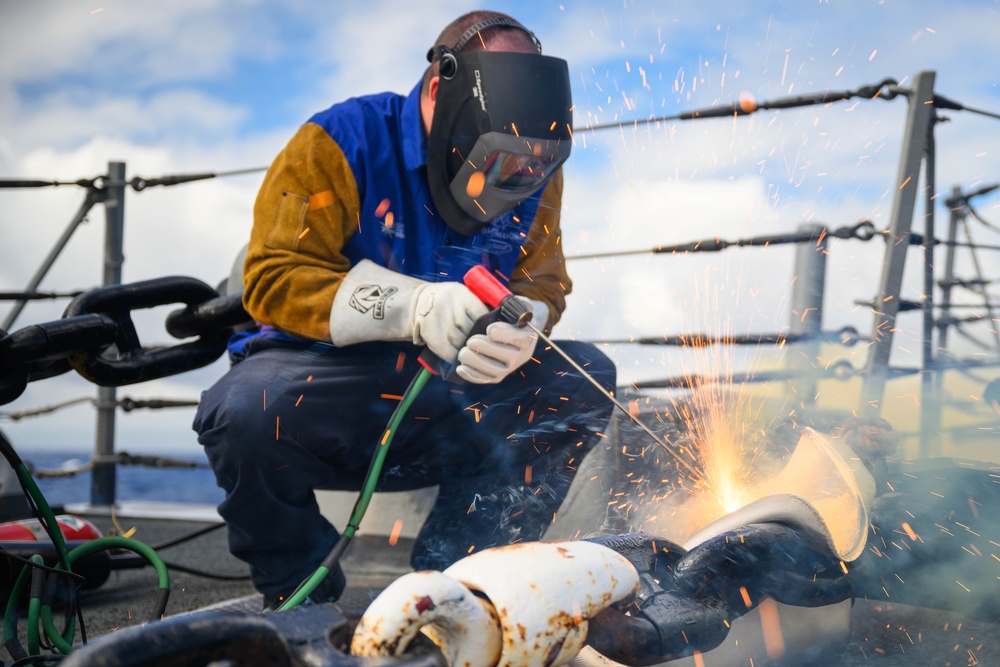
column 774, row 642
column 477, row 181
column 397, row 528
column 747, row 102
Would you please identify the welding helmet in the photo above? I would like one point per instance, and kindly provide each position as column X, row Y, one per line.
column 501, row 128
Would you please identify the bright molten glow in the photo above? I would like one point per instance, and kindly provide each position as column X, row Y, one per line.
column 717, row 440
column 724, row 443
column 721, row 418
column 747, row 467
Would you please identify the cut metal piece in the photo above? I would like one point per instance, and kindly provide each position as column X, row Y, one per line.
column 544, row 593
column 464, row 627
column 523, row 605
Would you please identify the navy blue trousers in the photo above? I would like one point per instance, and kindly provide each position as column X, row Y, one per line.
column 284, row 421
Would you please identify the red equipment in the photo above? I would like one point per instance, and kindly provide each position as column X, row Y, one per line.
column 27, row 537
column 73, row 528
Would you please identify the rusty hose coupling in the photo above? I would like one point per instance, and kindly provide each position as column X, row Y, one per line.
column 523, row 605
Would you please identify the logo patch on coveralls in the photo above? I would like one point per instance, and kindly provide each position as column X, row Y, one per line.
column 372, row 298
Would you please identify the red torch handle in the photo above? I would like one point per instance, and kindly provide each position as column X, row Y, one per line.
column 484, row 285
column 504, row 307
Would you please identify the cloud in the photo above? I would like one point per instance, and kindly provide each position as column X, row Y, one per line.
column 138, row 44
column 67, row 121
column 650, row 294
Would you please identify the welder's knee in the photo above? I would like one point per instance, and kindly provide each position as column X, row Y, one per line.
column 231, row 420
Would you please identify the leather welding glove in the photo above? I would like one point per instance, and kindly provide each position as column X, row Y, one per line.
column 375, row 303
column 489, row 358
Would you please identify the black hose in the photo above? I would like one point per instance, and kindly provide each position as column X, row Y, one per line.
column 137, row 562
column 186, row 538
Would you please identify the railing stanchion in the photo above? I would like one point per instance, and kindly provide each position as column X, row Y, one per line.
column 102, row 486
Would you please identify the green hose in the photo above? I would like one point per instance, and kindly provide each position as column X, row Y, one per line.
column 375, row 470
column 100, row 544
column 47, row 518
column 35, row 605
column 364, row 498
column 129, row 544
column 52, row 632
column 10, row 639
column 307, row 587
column 34, row 610
column 38, row 609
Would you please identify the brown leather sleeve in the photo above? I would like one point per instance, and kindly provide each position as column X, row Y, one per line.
column 306, row 211
column 540, row 273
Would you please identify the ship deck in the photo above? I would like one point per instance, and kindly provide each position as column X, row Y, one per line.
column 883, row 633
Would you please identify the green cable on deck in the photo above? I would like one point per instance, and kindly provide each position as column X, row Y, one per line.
column 100, row 544
column 364, row 498
column 37, row 608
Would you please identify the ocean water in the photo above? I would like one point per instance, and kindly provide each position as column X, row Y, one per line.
column 133, row 482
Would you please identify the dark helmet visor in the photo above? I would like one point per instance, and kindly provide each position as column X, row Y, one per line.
column 516, row 173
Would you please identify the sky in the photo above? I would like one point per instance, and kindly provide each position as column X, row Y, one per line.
column 196, row 86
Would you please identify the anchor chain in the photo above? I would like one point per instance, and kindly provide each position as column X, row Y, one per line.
column 97, row 337
column 689, row 599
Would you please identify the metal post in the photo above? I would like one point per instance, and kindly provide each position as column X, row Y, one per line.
column 806, row 317
column 102, row 488
column 981, row 278
column 886, row 304
column 930, row 406
column 957, row 215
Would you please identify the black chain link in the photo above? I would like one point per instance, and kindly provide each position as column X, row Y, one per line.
column 97, row 337
column 688, row 600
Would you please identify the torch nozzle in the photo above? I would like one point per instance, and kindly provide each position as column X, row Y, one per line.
column 514, row 311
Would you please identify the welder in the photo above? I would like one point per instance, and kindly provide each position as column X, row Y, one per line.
column 363, row 229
